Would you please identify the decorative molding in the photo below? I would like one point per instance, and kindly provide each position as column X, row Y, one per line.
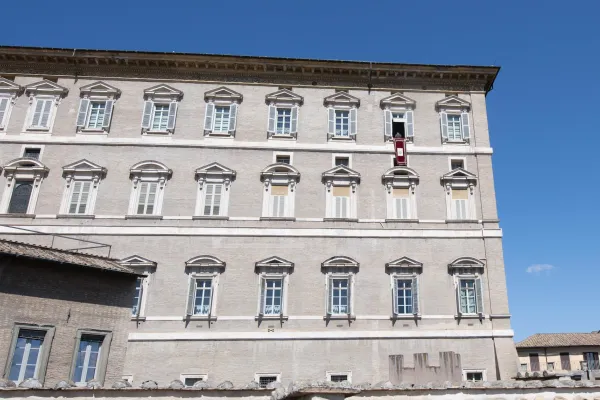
column 340, row 262
column 397, row 101
column 280, row 173
column 223, row 95
column 401, row 177
column 453, row 103
column 99, row 89
column 10, row 88
column 466, row 265
column 284, row 96
column 341, row 99
column 205, row 263
column 274, row 265
column 459, row 178
column 137, row 261
column 45, row 87
column 403, row 264
column 214, row 171
column 163, row 91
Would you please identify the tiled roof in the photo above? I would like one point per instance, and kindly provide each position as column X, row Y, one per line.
column 561, row 340
column 62, row 256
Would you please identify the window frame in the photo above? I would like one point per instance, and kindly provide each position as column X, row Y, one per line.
column 213, row 173
column 148, row 172
column 207, row 268
column 18, row 170
column 400, row 178
column 483, row 373
column 343, row 177
column 10, row 91
column 329, row 374
column 146, row 269
column 342, row 101
column 221, row 97
column 340, row 267
column 43, row 90
column 32, row 146
column 335, row 156
column 81, row 171
column 160, row 95
column 279, row 174
column 451, row 159
column 273, row 268
column 283, row 99
column 460, row 179
column 43, row 356
column 259, row 375
column 455, row 106
column 201, row 377
column 398, row 103
column 284, row 154
column 469, row 268
column 96, row 92
column 102, row 362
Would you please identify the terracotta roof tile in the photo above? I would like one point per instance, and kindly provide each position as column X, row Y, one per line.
column 561, row 340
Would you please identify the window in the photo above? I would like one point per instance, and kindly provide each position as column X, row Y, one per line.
column 149, row 179
column 214, row 184
column 405, row 286
column 341, row 197
column 342, row 115
column 27, row 355
column 474, row 376
column 190, row 379
column 550, row 366
column 400, row 184
column 40, row 118
column 24, row 177
column 160, row 109
column 284, row 159
column 339, row 282
column 454, row 119
column 468, row 296
column 460, row 200
column 565, row 361
column 454, row 132
column 404, row 296
column 342, row 160
column 9, row 92
column 342, row 123
column 523, row 367
column 82, row 180
column 44, row 99
column 221, row 112
column 273, row 274
column 469, row 287
column 143, row 267
column 457, row 163
column 339, row 376
column 339, row 296
column 79, row 197
column 137, row 297
column 97, row 115
column 401, row 203
column 280, row 188
column 284, row 107
column 593, row 363
column 264, row 380
column 398, row 117
column 202, row 296
column 204, row 272
column 96, row 107
column 32, row 152
column 88, row 354
column 534, row 361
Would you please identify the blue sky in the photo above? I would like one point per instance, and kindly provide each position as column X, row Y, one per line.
column 543, row 110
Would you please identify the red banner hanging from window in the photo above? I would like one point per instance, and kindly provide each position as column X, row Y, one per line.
column 400, row 151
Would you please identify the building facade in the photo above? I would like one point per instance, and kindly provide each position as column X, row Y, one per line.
column 260, row 197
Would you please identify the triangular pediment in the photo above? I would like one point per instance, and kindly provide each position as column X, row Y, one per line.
column 459, row 173
column 341, row 170
column 341, row 98
column 99, row 88
column 284, row 95
column 453, row 102
column 217, row 169
column 274, row 261
column 223, row 93
column 397, row 100
column 46, row 87
column 163, row 90
column 404, row 262
column 139, row 261
column 8, row 86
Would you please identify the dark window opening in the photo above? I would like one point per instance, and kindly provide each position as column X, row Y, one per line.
column 32, row 153
column 338, row 378
column 565, row 362
column 263, row 381
column 345, row 161
column 534, row 361
column 593, row 363
column 475, row 376
column 189, row 382
column 283, row 159
column 457, row 164
column 9, row 77
column 398, row 129
column 21, row 195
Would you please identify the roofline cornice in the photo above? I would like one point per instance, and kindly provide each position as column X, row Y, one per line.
column 228, row 68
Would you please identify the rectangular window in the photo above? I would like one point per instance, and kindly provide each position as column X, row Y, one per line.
column 457, row 163
column 202, row 296
column 32, row 152
column 147, row 198
column 401, row 203
column 189, row 380
column 534, row 362
column 272, row 295
column 593, row 363
column 284, row 121
column 27, row 355
column 80, row 197
column 460, row 206
column 341, row 198
column 338, row 378
column 339, row 295
column 342, row 123
column 474, row 376
column 137, row 298
column 20, row 197
column 97, row 111
column 41, row 113
column 212, row 199
column 222, row 116
column 279, row 196
column 550, row 366
column 160, row 117
column 345, row 161
column 565, row 362
column 398, row 125
column 88, row 354
column 264, row 380
column 404, row 296
column 283, row 159
column 468, row 296
column 454, row 128
column 523, row 368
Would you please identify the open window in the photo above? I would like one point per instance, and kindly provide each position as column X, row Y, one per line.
column 280, row 181
column 273, row 277
column 220, row 118
column 203, row 280
column 145, row 268
column 24, row 177
column 398, row 117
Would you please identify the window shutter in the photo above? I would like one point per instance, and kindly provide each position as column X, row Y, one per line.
column 142, row 197
column 294, row 122
column 4, row 101
column 85, row 191
column 464, row 119
column 45, row 119
column 172, row 115
column 394, row 297
column 147, row 114
column 331, row 121
column 353, row 122
column 75, row 197
column 444, row 125
column 209, row 117
column 189, row 307
column 271, row 119
column 150, row 204
column 232, row 117
column 82, row 114
column 387, row 121
column 37, row 113
column 329, row 294
column 212, row 291
column 140, row 297
column 108, row 111
column 410, row 126
column 415, row 295
column 263, row 284
column 479, row 294
column 350, row 295
column 458, row 306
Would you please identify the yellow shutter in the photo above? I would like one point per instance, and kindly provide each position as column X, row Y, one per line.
column 279, row 190
column 460, row 194
column 341, row 191
column 397, row 192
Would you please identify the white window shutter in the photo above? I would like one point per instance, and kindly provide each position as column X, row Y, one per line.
column 415, row 295
column 37, row 112
column 4, row 101
column 189, row 307
column 212, row 291
column 232, row 117
column 353, row 121
column 458, row 305
column 294, row 121
column 349, row 295
column 387, row 120
column 147, row 114
column 271, row 119
column 394, row 297
column 172, row 115
column 464, row 119
column 444, row 125
column 479, row 294
column 140, row 298
column 108, row 111
column 209, row 117
column 263, row 285
column 329, row 294
column 82, row 113
column 410, row 126
column 45, row 119
column 331, row 121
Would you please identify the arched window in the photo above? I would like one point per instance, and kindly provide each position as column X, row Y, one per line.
column 341, row 199
column 23, row 179
column 203, row 280
column 280, row 181
column 400, row 184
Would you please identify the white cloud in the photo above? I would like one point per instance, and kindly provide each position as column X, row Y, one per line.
column 537, row 268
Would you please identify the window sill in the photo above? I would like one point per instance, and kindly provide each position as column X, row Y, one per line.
column 157, row 133
column 344, row 317
column 462, row 221
column 282, row 137
column 143, row 217
column 138, row 318
column 37, row 130
column 342, row 139
column 401, row 220
column 271, row 318
column 216, row 217
column 15, row 215
column 340, row 219
column 462, row 142
column 200, row 318
column 277, row 218
column 389, row 139
column 396, row 317
column 219, row 135
column 76, row 216
column 92, row 132
column 469, row 316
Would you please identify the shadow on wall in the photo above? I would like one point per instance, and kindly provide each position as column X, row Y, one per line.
column 450, row 369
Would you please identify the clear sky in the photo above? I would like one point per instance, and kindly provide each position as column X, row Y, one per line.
column 543, row 111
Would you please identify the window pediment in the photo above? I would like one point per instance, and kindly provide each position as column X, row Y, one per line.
column 280, row 172
column 223, row 94
column 9, row 87
column 84, row 168
column 404, row 265
column 136, row 261
column 340, row 174
column 397, row 100
column 160, row 92
column 25, row 166
column 341, row 99
column 205, row 261
column 215, row 171
column 459, row 178
column 452, row 103
column 150, row 170
column 400, row 177
column 274, row 264
column 45, row 87
column 284, row 96
column 341, row 264
column 466, row 265
column 99, row 89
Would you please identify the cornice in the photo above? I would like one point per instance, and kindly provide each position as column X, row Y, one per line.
column 100, row 63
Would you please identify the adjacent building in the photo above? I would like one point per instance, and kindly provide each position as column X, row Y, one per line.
column 280, row 233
